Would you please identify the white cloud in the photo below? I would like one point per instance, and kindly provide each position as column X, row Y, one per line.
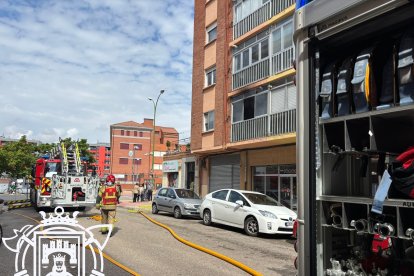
column 72, row 68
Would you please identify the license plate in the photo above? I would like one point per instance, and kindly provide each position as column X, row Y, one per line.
column 289, row 223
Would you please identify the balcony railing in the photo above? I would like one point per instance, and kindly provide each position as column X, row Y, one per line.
column 259, row 16
column 269, row 125
column 282, row 60
column 251, row 74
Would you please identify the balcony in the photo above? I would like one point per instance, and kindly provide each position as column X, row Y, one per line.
column 268, row 125
column 279, row 62
column 282, row 60
column 251, row 74
column 259, row 16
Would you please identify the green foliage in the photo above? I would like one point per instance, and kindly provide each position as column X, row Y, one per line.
column 83, row 148
column 17, row 158
column 44, row 148
column 168, row 144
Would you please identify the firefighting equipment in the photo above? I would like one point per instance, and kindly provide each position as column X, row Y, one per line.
column 406, row 68
column 110, row 178
column 46, row 186
column 109, row 196
column 402, row 175
column 364, row 88
column 343, row 88
column 326, row 92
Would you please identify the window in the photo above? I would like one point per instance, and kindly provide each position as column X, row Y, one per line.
column 252, row 53
column 209, row 121
column 141, row 134
column 128, row 133
column 282, row 37
column 137, row 147
column 135, row 133
column 106, row 167
column 249, row 107
column 123, row 161
column 171, row 193
column 220, row 194
column 212, row 32
column 122, row 132
column 124, row 146
column 283, row 98
column 234, row 196
column 247, row 7
column 137, row 161
column 211, row 77
column 163, row 192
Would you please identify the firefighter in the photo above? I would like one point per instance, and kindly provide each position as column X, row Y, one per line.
column 108, row 195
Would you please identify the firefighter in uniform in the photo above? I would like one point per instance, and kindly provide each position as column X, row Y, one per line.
column 108, row 195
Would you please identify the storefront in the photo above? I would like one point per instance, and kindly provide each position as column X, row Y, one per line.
column 170, row 170
column 278, row 182
column 224, row 172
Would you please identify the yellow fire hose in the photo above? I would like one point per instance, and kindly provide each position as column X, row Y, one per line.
column 205, row 250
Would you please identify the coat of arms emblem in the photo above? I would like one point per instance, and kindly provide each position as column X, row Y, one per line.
column 58, row 246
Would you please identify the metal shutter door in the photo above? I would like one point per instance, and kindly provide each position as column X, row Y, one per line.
column 224, row 172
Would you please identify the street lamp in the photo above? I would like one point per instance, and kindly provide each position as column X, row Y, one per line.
column 153, row 132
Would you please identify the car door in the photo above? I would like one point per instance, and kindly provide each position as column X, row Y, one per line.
column 218, row 203
column 171, row 198
column 234, row 213
column 161, row 199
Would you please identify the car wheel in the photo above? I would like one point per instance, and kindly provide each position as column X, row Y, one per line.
column 207, row 217
column 177, row 213
column 154, row 208
column 251, row 227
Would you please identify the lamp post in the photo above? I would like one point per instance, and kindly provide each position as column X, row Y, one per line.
column 155, row 103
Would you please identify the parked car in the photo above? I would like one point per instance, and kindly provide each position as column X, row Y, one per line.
column 253, row 211
column 180, row 202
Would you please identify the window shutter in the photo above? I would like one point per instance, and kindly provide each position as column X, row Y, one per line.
column 291, row 91
column 278, row 100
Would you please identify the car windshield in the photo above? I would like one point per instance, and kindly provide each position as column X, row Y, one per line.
column 182, row 193
column 261, row 199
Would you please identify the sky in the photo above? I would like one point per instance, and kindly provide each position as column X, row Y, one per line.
column 73, row 68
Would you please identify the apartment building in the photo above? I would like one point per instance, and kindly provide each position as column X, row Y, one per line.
column 244, row 100
column 131, row 156
column 102, row 154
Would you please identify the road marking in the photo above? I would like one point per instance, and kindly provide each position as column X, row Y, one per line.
column 205, row 250
column 106, row 256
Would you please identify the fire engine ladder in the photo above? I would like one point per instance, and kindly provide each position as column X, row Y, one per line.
column 70, row 159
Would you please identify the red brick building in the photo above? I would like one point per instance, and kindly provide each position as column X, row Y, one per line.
column 131, row 156
column 102, row 154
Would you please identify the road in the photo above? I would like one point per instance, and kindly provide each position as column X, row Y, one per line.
column 148, row 249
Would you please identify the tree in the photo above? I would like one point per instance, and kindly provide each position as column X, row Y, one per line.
column 17, row 158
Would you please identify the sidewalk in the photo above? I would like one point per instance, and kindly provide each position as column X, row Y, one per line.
column 126, row 202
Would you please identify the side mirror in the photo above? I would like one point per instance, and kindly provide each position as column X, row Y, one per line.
column 240, row 203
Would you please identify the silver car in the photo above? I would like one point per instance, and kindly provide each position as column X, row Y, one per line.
column 180, row 202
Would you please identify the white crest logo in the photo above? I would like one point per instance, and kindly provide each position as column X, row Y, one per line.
column 58, row 245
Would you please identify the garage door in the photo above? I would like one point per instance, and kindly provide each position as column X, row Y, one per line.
column 224, row 172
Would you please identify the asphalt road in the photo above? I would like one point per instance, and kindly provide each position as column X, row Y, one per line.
column 148, row 249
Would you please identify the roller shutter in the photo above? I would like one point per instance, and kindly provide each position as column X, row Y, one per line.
column 224, row 172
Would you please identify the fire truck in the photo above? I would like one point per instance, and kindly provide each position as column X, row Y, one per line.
column 355, row 110
column 60, row 179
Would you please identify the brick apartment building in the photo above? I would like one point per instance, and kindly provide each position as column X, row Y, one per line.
column 243, row 98
column 131, row 156
column 102, row 154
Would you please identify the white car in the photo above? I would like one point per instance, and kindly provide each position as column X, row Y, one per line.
column 253, row 211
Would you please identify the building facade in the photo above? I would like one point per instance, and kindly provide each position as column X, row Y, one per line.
column 180, row 170
column 102, row 154
column 131, row 156
column 243, row 127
